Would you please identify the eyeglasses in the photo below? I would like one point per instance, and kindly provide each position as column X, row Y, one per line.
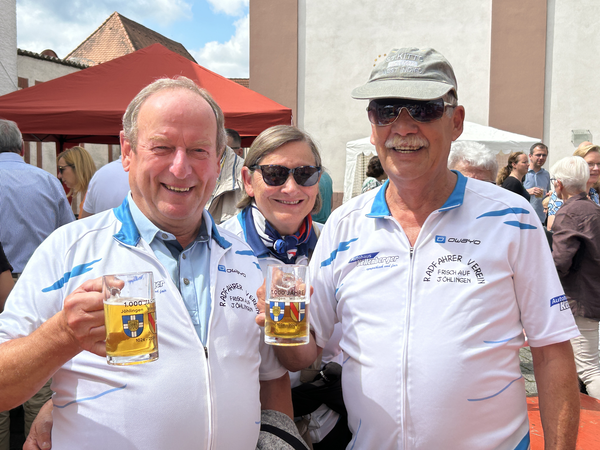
column 593, row 165
column 61, row 168
column 275, row 175
column 385, row 111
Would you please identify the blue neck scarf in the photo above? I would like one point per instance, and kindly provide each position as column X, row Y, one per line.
column 260, row 233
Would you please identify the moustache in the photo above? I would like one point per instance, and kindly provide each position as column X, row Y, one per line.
column 406, row 142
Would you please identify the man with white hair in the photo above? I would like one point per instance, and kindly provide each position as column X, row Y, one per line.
column 576, row 253
column 473, row 160
column 429, row 277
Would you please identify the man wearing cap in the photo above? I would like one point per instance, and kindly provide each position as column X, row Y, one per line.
column 429, row 278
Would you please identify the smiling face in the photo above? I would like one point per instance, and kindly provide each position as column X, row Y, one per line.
column 593, row 160
column 174, row 168
column 411, row 150
column 285, row 206
column 68, row 175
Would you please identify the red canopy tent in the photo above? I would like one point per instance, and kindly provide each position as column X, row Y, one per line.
column 87, row 106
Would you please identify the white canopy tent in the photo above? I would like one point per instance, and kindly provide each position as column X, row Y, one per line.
column 499, row 142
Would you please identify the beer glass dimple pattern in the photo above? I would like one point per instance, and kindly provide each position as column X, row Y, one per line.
column 287, row 303
column 130, row 318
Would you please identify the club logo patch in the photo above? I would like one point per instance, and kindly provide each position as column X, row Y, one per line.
column 276, row 310
column 133, row 325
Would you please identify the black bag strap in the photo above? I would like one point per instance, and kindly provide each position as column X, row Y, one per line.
column 284, row 435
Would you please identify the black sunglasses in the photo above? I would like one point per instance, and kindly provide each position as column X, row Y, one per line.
column 275, row 175
column 385, row 111
column 61, row 168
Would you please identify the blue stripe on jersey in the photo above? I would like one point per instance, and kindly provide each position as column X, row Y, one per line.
column 341, row 248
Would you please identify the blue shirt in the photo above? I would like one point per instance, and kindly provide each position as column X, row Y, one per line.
column 326, row 191
column 189, row 268
column 539, row 179
column 32, row 205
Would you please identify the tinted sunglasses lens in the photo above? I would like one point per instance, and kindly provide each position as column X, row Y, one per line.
column 384, row 112
column 306, row 175
column 274, row 175
column 426, row 111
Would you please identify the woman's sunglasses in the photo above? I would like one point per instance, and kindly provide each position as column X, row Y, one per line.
column 275, row 175
column 61, row 168
column 385, row 111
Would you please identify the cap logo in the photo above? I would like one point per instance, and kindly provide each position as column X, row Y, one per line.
column 405, row 56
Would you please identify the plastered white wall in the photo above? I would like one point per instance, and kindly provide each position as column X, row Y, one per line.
column 572, row 95
column 339, row 41
column 8, row 46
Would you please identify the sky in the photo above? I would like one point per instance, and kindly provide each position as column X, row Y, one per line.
column 215, row 32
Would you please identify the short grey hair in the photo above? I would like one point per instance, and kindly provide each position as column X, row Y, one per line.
column 475, row 155
column 11, row 139
column 270, row 140
column 130, row 118
column 573, row 172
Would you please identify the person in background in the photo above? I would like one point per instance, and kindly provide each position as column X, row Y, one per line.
column 375, row 175
column 107, row 189
column 234, row 142
column 537, row 179
column 591, row 154
column 75, row 169
column 576, row 253
column 229, row 190
column 473, row 160
column 326, row 192
column 511, row 176
column 30, row 197
column 430, row 278
column 281, row 175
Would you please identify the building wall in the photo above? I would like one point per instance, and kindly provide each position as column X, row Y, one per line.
column 518, row 66
column 8, row 46
column 274, row 50
column 340, row 44
column 40, row 70
column 572, row 68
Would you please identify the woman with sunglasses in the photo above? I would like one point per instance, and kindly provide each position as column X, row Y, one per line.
column 281, row 174
column 591, row 154
column 75, row 169
column 511, row 176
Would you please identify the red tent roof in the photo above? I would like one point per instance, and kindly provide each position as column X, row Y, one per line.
column 88, row 106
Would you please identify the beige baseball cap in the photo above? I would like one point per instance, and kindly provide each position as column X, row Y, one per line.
column 413, row 73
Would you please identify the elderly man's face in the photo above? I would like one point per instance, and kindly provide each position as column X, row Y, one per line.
column 476, row 173
column 174, row 168
column 410, row 150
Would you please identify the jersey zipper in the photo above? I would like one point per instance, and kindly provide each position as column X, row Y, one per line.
column 403, row 407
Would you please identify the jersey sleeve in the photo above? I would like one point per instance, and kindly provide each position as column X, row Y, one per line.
column 545, row 312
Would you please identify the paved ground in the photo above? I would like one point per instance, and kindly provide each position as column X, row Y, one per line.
column 527, row 371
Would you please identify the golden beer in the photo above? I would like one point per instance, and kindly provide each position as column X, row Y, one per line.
column 130, row 330
column 291, row 327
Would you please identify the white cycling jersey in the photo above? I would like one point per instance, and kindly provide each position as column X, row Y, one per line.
column 431, row 333
column 192, row 397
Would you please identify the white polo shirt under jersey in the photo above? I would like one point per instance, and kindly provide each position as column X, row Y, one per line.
column 431, row 333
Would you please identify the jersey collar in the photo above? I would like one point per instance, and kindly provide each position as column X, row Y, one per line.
column 130, row 235
column 381, row 209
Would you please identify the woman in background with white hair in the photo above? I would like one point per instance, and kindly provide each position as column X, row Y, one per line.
column 591, row 154
column 576, row 253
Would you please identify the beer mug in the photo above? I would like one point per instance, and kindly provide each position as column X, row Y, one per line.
column 130, row 318
column 288, row 298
